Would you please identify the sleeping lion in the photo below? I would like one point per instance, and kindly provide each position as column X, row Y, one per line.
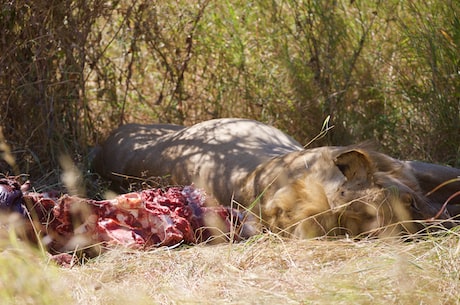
column 350, row 190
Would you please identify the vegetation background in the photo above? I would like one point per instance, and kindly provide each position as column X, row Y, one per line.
column 386, row 71
column 72, row 70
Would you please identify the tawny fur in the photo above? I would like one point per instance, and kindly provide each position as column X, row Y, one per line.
column 333, row 190
column 430, row 178
column 305, row 193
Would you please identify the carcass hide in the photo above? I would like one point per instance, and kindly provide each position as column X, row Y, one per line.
column 145, row 219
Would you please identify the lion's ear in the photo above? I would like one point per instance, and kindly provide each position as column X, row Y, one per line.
column 354, row 165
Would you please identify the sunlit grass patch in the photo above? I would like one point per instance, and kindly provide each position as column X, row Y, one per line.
column 26, row 274
column 266, row 269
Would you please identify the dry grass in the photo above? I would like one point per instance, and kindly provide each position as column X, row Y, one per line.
column 263, row 270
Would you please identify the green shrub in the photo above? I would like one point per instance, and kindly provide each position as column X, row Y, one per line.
column 386, row 71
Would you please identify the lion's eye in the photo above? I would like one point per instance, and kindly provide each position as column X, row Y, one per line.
column 409, row 200
column 406, row 198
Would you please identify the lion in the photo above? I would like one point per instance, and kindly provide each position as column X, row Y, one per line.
column 441, row 184
column 290, row 190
